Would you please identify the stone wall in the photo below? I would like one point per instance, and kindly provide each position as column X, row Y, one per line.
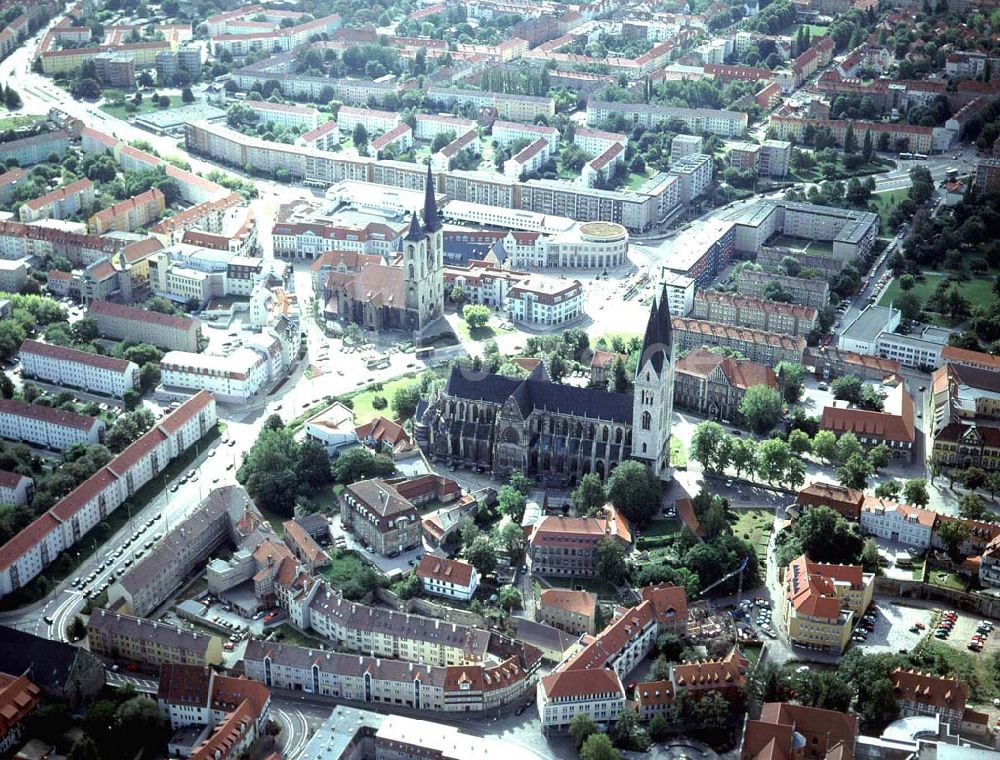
column 980, row 604
column 430, row 609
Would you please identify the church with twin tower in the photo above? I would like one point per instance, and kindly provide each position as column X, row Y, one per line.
column 405, row 295
column 553, row 432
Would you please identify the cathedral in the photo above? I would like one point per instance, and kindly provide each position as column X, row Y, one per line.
column 406, row 295
column 556, row 433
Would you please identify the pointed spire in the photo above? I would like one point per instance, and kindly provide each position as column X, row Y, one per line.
column 431, row 221
column 415, row 233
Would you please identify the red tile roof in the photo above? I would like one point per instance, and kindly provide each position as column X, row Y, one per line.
column 578, row 602
column 927, row 689
column 27, row 538
column 446, row 570
column 120, row 311
column 63, row 353
column 47, row 414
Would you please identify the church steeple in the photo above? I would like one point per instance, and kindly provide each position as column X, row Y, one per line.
column 431, row 221
column 414, row 234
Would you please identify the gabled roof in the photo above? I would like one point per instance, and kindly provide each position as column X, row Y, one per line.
column 927, row 689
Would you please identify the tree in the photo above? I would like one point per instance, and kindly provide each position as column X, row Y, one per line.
column 888, row 489
column 659, row 728
column 953, row 534
column 712, row 711
column 509, row 598
column 360, row 138
column 313, row 466
column 76, row 630
column 706, row 441
column 879, row 457
column 771, row 460
column 910, row 306
column 850, row 141
column 513, row 541
column 405, row 401
column 870, row 559
column 187, row 96
column 511, row 502
column 619, row 377
column 854, row 473
column 972, row 507
column 11, row 99
column 826, row 690
column 761, row 408
column 975, row 478
column 824, row 445
column 847, row 388
column 790, row 378
column 824, row 535
column 476, row 315
column 268, row 471
column 799, row 442
column 6, row 386
column 83, row 749
column 598, row 747
column 589, row 496
column 581, row 727
column 635, row 491
column 359, row 463
column 609, row 559
column 848, row 446
column 671, row 646
column 868, row 149
column 482, row 554
column 915, row 492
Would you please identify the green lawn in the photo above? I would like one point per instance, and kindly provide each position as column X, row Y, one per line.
column 754, row 525
column 971, row 668
column 678, row 453
column 939, row 577
column 636, row 180
column 344, row 565
column 288, row 635
column 363, row 409
column 665, row 526
column 478, row 334
column 822, row 247
column 787, row 241
column 18, row 120
column 146, row 106
column 594, row 585
column 886, row 202
column 978, row 291
column 815, row 30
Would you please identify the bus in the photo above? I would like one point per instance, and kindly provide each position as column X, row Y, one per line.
column 424, row 353
column 906, row 156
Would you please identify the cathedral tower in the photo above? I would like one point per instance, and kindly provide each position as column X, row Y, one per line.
column 653, row 402
column 423, row 261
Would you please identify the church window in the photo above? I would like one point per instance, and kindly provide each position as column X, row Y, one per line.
column 647, row 420
column 647, row 376
column 643, row 448
column 411, row 271
column 604, row 434
column 618, row 436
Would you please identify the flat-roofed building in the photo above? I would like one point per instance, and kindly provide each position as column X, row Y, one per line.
column 800, row 290
column 545, row 301
column 78, row 369
column 234, row 378
column 46, row 427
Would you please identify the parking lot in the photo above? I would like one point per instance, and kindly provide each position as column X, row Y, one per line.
column 115, row 563
column 893, row 627
column 400, row 564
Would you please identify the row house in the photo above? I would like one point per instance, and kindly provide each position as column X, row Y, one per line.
column 130, row 214
column 61, row 203
column 170, row 331
column 15, row 489
column 27, row 553
column 149, row 644
column 71, row 367
column 46, row 427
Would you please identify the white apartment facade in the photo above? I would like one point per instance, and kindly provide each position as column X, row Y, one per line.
column 25, row 555
column 430, row 126
column 46, row 427
column 284, row 115
column 544, row 301
column 15, row 489
column 79, row 369
column 507, row 132
column 901, row 523
column 680, row 293
column 595, row 141
column 237, row 377
column 348, row 117
column 452, row 579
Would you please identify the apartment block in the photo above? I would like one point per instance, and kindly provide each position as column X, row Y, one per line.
column 13, row 275
column 903, row 137
column 537, row 300
column 694, row 173
column 374, row 122
column 696, row 120
column 61, row 203
column 775, row 156
column 507, row 132
column 823, row 602
column 78, row 369
column 149, row 644
column 26, row 554
column 129, row 215
column 758, row 346
column 9, row 180
column 899, row 523
column 284, row 115
column 35, row 149
column 233, row 378
column 755, row 313
column 45, row 427
column 799, row 290
column 680, row 291
column 15, row 489
column 166, row 330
